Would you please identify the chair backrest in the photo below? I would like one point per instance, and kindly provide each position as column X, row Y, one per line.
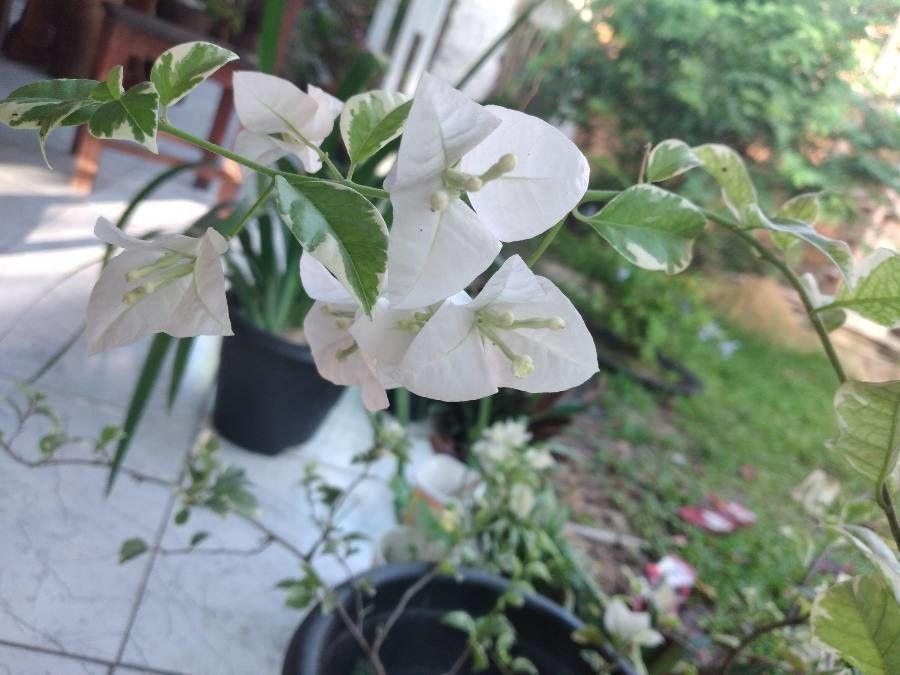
column 410, row 52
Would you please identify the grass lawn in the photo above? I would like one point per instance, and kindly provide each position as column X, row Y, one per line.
column 763, row 407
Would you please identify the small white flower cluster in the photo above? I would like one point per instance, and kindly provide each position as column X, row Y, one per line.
column 467, row 178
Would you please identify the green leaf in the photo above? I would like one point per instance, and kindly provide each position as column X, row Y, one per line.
column 652, row 228
column 875, row 293
column 879, row 554
column 341, row 229
column 861, row 620
column 804, row 208
column 835, row 250
column 371, row 120
column 729, row 171
column 198, row 538
column 868, row 416
column 48, row 105
column 132, row 548
column 181, row 68
column 179, row 366
column 131, row 117
column 460, row 620
column 139, row 398
column 182, row 516
column 670, row 158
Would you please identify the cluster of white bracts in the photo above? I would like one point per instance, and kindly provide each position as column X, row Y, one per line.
column 519, row 176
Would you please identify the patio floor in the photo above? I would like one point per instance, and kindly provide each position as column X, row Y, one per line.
column 66, row 605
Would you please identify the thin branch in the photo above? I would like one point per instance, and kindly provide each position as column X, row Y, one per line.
column 758, row 633
column 545, row 243
column 405, row 599
column 887, row 505
column 357, row 634
column 794, row 281
column 461, row 661
column 259, row 548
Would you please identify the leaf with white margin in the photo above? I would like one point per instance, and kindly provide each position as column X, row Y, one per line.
column 549, row 178
column 861, row 621
column 804, row 207
column 179, row 69
column 878, row 552
column 371, row 120
column 834, row 249
column 652, row 228
column 341, row 229
column 832, row 318
column 729, row 171
column 671, row 157
column 125, row 115
column 48, row 105
column 876, row 289
column 868, row 415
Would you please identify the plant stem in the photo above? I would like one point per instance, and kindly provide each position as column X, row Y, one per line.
column 793, row 280
column 887, row 505
column 218, row 149
column 373, row 192
column 496, row 44
column 401, row 606
column 545, row 243
column 263, row 196
column 758, row 633
column 484, row 416
column 401, row 400
column 360, row 638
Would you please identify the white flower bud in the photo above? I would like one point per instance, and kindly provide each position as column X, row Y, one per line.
column 523, row 366
column 506, row 319
column 506, row 163
column 440, row 200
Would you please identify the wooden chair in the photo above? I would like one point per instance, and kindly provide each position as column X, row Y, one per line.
column 132, row 34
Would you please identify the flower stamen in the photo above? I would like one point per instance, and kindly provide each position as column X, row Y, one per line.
column 142, row 291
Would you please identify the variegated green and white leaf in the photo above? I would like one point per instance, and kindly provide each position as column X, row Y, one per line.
column 670, row 158
column 341, row 229
column 868, row 415
column 180, row 69
column 48, row 105
column 129, row 117
column 652, row 228
column 875, row 293
column 729, row 171
column 832, row 317
column 879, row 554
column 834, row 249
column 861, row 620
column 805, row 208
column 371, row 120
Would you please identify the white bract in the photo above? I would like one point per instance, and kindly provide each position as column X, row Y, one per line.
column 279, row 119
column 520, row 332
column 326, row 328
column 632, row 628
column 521, row 500
column 172, row 284
column 520, row 174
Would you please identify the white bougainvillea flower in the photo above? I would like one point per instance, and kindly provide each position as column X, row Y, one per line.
column 520, row 332
column 520, row 174
column 632, row 628
column 521, row 500
column 326, row 327
column 279, row 119
column 172, row 284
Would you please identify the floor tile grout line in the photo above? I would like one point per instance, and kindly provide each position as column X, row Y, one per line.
column 83, row 658
column 160, row 532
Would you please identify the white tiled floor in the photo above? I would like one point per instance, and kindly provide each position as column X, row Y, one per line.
column 66, row 605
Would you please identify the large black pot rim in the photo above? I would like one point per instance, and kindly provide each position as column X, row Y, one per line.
column 271, row 341
column 305, row 649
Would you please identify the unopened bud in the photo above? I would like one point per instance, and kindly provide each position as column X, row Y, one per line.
column 473, row 184
column 522, row 366
column 506, row 319
column 506, row 163
column 440, row 200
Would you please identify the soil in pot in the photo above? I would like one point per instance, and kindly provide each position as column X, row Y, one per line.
column 419, row 643
column 269, row 395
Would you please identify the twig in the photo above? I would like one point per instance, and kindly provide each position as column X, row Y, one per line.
column 259, row 548
column 405, row 599
column 758, row 633
column 457, row 666
column 357, row 634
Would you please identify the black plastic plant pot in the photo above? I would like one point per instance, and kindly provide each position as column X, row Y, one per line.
column 269, row 395
column 419, row 643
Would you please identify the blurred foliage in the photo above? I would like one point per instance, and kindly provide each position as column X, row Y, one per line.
column 779, row 80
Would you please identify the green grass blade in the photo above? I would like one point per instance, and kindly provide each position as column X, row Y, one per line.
column 179, row 365
column 142, row 390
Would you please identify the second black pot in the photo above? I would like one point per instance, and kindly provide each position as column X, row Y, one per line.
column 419, row 643
column 269, row 395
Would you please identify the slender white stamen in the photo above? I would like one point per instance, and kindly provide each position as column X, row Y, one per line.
column 166, row 261
column 144, row 290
